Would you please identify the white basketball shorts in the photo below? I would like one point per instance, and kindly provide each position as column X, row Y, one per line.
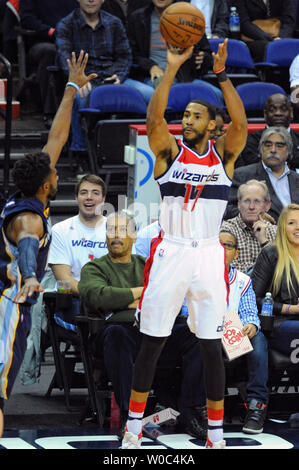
column 179, row 269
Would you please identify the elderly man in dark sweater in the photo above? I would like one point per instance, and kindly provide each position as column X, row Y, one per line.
column 111, row 286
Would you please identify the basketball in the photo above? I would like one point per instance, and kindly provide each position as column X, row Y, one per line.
column 182, row 25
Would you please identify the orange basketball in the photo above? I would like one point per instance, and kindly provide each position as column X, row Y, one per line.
column 182, row 25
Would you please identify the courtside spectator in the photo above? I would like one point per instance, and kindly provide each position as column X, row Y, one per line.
column 275, row 148
column 242, row 300
column 78, row 240
column 278, row 111
column 251, row 227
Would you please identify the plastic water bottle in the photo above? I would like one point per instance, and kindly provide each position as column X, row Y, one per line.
column 267, row 305
column 234, row 23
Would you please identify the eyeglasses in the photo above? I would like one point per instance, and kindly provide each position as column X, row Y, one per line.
column 229, row 246
column 248, row 202
column 268, row 144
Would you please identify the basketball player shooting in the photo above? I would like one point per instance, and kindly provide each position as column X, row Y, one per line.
column 187, row 260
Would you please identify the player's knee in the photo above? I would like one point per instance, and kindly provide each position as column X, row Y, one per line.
column 151, row 348
column 211, row 350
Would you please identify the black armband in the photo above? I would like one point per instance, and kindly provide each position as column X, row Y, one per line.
column 28, row 251
column 222, row 77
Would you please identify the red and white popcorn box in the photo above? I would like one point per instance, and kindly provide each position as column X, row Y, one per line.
column 235, row 344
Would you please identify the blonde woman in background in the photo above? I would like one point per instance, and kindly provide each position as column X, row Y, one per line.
column 277, row 271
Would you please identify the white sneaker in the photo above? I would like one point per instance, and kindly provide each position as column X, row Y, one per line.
column 215, row 445
column 131, row 441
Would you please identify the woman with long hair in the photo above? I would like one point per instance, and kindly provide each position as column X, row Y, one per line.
column 277, row 271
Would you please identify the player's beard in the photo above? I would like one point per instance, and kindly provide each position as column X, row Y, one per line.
column 52, row 194
column 195, row 140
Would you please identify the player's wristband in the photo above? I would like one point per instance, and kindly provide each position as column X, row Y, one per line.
column 288, row 309
column 73, row 85
column 28, row 250
column 221, row 74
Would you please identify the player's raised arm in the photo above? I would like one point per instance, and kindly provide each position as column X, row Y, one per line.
column 60, row 128
column 232, row 143
column 161, row 142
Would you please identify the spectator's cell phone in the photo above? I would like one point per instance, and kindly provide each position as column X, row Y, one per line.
column 108, row 81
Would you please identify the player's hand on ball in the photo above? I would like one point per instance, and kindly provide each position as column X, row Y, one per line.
column 221, row 56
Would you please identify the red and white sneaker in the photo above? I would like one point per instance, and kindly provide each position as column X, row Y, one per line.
column 215, row 445
column 131, row 441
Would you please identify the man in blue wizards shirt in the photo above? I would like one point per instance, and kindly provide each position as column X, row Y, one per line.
column 25, row 234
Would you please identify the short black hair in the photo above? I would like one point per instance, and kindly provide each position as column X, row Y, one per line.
column 209, row 106
column 30, row 172
column 94, row 179
column 230, row 232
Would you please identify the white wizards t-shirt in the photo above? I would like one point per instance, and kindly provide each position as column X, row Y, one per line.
column 75, row 244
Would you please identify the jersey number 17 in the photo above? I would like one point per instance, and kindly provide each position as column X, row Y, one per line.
column 195, row 191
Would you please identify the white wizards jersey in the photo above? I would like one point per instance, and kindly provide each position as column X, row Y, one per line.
column 194, row 192
column 75, row 244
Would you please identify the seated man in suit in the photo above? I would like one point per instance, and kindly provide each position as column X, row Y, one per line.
column 111, row 286
column 278, row 111
column 251, row 227
column 275, row 149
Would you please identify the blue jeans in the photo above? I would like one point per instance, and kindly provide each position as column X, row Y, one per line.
column 284, row 335
column 78, row 137
column 257, row 364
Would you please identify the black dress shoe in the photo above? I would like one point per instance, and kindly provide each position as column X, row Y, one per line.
column 194, row 422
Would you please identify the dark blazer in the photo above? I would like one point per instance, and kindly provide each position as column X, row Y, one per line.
column 139, row 32
column 219, row 19
column 250, row 10
column 250, row 154
column 262, row 276
column 256, row 171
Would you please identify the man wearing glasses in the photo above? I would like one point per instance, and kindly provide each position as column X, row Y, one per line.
column 251, row 227
column 275, row 148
